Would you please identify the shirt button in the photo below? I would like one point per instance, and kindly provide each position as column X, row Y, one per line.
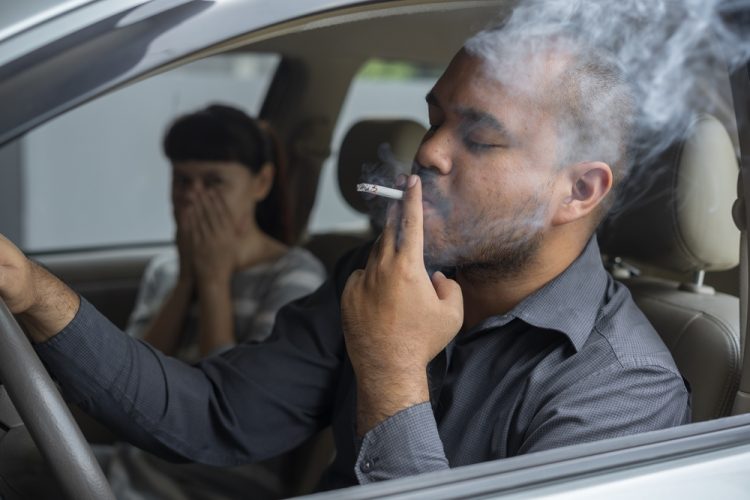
column 365, row 466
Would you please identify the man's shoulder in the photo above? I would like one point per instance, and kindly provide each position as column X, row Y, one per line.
column 626, row 332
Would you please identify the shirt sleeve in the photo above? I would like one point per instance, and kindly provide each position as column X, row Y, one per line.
column 250, row 403
column 404, row 444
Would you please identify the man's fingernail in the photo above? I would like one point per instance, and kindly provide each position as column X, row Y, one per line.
column 412, row 181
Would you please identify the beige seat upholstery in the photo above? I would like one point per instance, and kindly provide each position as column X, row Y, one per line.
column 365, row 145
column 680, row 221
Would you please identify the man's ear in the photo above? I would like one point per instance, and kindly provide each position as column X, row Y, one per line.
column 263, row 181
column 586, row 185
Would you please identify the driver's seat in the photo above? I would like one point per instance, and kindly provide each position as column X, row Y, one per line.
column 679, row 225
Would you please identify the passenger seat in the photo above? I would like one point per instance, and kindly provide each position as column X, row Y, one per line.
column 682, row 223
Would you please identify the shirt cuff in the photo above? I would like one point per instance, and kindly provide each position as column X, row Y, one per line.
column 404, row 444
column 80, row 355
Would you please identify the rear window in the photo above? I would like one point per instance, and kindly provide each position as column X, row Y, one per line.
column 96, row 176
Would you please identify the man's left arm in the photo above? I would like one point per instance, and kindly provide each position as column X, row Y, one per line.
column 396, row 319
column 617, row 400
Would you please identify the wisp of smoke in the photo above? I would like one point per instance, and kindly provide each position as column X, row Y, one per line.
column 657, row 63
column 383, row 173
column 674, row 56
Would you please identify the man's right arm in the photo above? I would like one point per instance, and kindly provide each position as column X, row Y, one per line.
column 43, row 304
column 250, row 403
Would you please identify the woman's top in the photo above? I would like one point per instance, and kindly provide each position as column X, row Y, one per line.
column 258, row 292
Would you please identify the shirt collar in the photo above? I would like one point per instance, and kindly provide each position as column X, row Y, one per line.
column 570, row 303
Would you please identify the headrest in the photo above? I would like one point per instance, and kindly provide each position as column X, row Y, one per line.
column 678, row 215
column 365, row 145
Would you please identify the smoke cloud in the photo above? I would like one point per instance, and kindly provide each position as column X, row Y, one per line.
column 672, row 55
column 640, row 70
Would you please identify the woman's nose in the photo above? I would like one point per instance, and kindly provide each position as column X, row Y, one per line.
column 190, row 190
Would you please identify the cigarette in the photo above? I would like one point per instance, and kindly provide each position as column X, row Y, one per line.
column 386, row 192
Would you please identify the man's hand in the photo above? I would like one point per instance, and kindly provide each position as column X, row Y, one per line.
column 42, row 302
column 16, row 278
column 396, row 318
column 214, row 240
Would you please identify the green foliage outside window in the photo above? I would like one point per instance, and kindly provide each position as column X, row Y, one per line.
column 380, row 69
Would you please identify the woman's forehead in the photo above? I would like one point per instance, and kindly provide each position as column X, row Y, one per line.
column 202, row 167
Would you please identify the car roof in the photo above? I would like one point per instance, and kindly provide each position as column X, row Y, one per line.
column 66, row 59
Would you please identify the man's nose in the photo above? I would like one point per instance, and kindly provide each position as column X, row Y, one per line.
column 434, row 152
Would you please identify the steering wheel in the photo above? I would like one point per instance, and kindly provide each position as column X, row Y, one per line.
column 46, row 416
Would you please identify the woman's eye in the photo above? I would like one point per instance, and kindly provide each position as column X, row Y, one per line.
column 180, row 181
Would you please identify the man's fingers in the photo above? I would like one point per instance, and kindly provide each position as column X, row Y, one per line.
column 411, row 234
column 387, row 240
column 351, row 283
column 372, row 258
column 449, row 291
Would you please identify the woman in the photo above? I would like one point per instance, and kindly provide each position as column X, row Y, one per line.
column 232, row 271
column 233, row 268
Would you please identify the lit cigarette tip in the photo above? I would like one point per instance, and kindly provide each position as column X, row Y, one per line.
column 386, row 192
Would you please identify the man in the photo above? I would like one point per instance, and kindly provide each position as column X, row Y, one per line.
column 529, row 346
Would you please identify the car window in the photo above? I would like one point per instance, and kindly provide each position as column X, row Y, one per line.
column 381, row 89
column 96, row 176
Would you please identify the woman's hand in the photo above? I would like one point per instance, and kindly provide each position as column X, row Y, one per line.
column 214, row 240
column 184, row 240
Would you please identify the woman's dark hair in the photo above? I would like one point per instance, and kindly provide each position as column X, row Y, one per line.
column 224, row 133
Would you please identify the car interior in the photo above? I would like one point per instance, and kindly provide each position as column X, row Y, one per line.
column 699, row 324
column 677, row 248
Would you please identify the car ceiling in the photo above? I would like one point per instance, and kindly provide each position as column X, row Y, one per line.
column 424, row 35
column 52, row 80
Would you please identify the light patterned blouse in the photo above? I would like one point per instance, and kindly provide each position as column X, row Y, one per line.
column 258, row 293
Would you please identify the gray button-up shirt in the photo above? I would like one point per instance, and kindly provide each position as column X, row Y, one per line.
column 574, row 362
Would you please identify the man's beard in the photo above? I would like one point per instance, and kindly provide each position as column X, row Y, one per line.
column 483, row 245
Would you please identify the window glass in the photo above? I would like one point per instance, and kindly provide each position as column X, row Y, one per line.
column 96, row 176
column 381, row 89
